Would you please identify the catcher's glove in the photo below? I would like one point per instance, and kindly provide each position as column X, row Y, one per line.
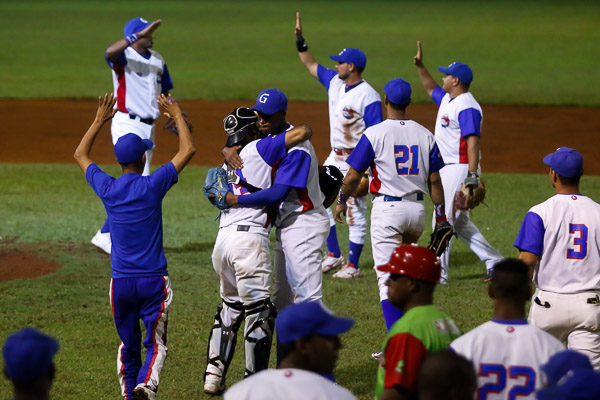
column 216, row 187
column 471, row 194
column 171, row 125
column 363, row 187
column 440, row 238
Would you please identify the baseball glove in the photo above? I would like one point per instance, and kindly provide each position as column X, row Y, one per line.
column 216, row 187
column 171, row 125
column 470, row 196
column 440, row 238
column 363, row 187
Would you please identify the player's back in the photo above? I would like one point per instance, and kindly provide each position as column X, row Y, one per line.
column 507, row 356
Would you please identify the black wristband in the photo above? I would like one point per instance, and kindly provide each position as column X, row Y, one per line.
column 473, row 174
column 301, row 45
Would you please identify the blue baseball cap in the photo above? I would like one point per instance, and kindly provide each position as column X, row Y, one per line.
column 131, row 147
column 398, row 91
column 309, row 318
column 562, row 362
column 566, row 162
column 578, row 384
column 270, row 101
column 351, row 56
column 459, row 70
column 135, row 25
column 28, row 354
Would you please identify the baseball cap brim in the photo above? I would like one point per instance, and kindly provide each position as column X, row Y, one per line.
column 265, row 109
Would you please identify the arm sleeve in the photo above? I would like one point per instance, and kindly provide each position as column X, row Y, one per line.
column 267, row 197
column 403, row 357
column 437, row 95
column 362, row 156
column 166, row 82
column 373, row 114
column 436, row 162
column 121, row 60
column 325, row 75
column 470, row 122
column 272, row 148
column 98, row 179
column 164, row 178
column 293, row 170
column 531, row 234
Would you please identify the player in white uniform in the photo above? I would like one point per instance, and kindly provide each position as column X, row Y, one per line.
column 457, row 133
column 560, row 241
column 308, row 336
column 353, row 107
column 140, row 75
column 404, row 162
column 507, row 352
column 241, row 255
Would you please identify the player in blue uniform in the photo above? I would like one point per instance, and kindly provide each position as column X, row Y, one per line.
column 140, row 286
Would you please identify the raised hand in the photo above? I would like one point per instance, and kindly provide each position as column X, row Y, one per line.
column 171, row 107
column 298, row 25
column 147, row 31
column 418, row 59
column 105, row 107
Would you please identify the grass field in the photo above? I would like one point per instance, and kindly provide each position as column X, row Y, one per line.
column 53, row 209
column 522, row 52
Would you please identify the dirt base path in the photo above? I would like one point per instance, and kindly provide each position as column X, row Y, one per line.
column 515, row 138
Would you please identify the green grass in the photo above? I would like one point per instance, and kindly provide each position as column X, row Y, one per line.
column 52, row 209
column 533, row 52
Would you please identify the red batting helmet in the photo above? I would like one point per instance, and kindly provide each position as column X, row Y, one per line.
column 416, row 261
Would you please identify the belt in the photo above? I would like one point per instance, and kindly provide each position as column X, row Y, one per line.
column 410, row 197
column 147, row 121
column 342, row 152
column 590, row 300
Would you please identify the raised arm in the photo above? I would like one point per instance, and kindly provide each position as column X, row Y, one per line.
column 186, row 145
column 429, row 84
column 104, row 113
column 307, row 59
column 114, row 50
column 296, row 135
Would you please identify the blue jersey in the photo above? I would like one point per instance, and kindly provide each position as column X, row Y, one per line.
column 134, row 206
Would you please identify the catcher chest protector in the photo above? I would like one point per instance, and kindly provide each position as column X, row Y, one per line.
column 238, row 124
column 223, row 337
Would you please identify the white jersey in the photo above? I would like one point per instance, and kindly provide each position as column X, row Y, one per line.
column 565, row 232
column 457, row 118
column 137, row 83
column 288, row 384
column 400, row 154
column 507, row 356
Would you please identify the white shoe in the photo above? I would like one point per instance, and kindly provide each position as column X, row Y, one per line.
column 213, row 384
column 377, row 355
column 348, row 272
column 330, row 262
column 102, row 240
column 143, row 392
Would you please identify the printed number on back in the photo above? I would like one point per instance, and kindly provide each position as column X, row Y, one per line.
column 407, row 160
column 520, row 378
column 580, row 238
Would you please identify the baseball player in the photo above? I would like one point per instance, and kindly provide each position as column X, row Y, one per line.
column 241, row 254
column 414, row 272
column 140, row 287
column 139, row 76
column 309, row 341
column 301, row 220
column 446, row 375
column 560, row 242
column 507, row 352
column 404, row 161
column 353, row 107
column 457, row 133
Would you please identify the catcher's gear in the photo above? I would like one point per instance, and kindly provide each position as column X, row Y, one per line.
column 440, row 237
column 260, row 324
column 470, row 195
column 216, row 187
column 363, row 187
column 234, row 179
column 330, row 181
column 171, row 125
column 416, row 261
column 223, row 336
column 239, row 124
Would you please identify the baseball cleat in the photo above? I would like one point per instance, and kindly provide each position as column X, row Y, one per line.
column 213, row 385
column 377, row 355
column 330, row 262
column 143, row 392
column 348, row 272
column 488, row 277
column 102, row 241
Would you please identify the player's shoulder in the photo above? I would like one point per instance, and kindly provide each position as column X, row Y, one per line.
column 467, row 100
column 369, row 92
column 156, row 54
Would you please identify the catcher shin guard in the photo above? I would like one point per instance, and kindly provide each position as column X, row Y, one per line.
column 223, row 337
column 260, row 324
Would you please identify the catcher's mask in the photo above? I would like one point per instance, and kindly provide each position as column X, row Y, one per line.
column 330, row 181
column 416, row 261
column 238, row 124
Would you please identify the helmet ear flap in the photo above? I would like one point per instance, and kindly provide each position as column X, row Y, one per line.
column 239, row 124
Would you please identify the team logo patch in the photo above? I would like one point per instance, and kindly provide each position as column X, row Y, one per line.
column 402, row 123
column 510, row 329
column 348, row 112
column 288, row 374
column 445, row 121
column 573, row 197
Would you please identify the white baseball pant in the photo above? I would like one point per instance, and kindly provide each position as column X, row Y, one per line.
column 122, row 125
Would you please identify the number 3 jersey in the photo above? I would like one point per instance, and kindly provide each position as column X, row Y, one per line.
column 507, row 356
column 401, row 155
column 565, row 232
